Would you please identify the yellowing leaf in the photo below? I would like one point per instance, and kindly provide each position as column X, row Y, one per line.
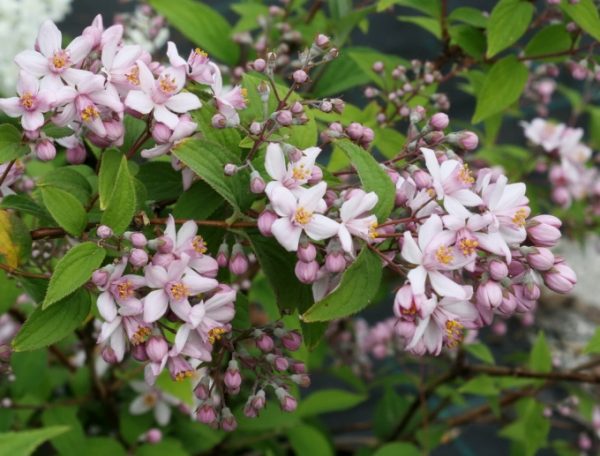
column 15, row 242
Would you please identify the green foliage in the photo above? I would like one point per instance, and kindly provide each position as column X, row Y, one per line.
column 73, row 270
column 508, row 22
column 357, row 288
column 329, row 400
column 66, row 210
column 11, row 144
column 585, row 15
column 398, row 448
column 45, row 327
column 308, row 441
column 117, row 192
column 549, row 40
column 202, row 25
column 388, row 413
column 24, row 443
column 72, row 442
column 540, row 358
column 480, row 351
column 529, row 433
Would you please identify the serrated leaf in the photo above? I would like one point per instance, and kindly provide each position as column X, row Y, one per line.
column 502, row 86
column 548, row 40
column 481, row 352
column 430, row 24
column 202, row 25
column 508, row 22
column 15, row 240
column 70, row 181
column 65, row 209
column 372, row 176
column 25, row 204
column 73, row 270
column 11, row 143
column 24, row 443
column 530, row 430
column 329, row 400
column 207, row 160
column 357, row 288
column 540, row 358
column 109, row 167
column 585, row 15
column 46, row 327
column 121, row 204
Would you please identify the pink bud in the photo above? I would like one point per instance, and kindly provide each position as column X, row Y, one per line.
column 164, row 244
column 562, row 196
column 584, row 441
column 499, row 328
column 238, row 264
column 368, row 135
column 138, row 240
column 322, row 41
column 300, row 76
column 265, row 222
column 378, row 67
column 280, row 363
column 306, row 272
column 232, row 378
column 161, row 133
column 100, row 277
column 307, row 252
column 139, row 353
column 316, row 175
column 468, row 140
column 138, row 258
column 228, row 421
column 302, row 380
column 561, row 278
column 284, row 117
column 541, row 233
column 258, row 401
column 265, row 343
column 109, row 356
column 508, row 305
column 542, row 259
column 202, row 390
column 255, row 128
column 45, row 150
column 422, row 179
column 489, row 294
column 292, row 340
column 298, row 367
column 257, row 183
column 114, row 130
column 335, row 262
column 104, row 232
column 223, row 255
column 260, row 65
column 157, row 348
column 153, row 436
column 439, row 121
column 498, row 270
column 355, row 131
column 230, row 169
column 76, row 155
column 206, row 413
column 288, row 403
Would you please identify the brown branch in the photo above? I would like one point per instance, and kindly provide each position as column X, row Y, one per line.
column 18, row 272
column 502, row 371
column 6, row 171
column 215, row 223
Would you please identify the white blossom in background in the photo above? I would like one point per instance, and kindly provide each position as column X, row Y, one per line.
column 19, row 24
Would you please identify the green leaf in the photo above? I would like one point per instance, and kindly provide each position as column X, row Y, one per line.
column 502, row 86
column 585, row 15
column 530, row 430
column 329, row 400
column 202, row 25
column 161, row 180
column 372, row 176
column 227, row 137
column 73, row 270
column 103, row 446
column 480, row 351
column 249, row 14
column 271, row 419
column 121, row 204
column 9, row 292
column 11, row 144
column 540, row 358
column 482, row 385
column 357, row 288
column 71, row 443
column 388, row 412
column 207, row 160
column 469, row 39
column 70, row 181
column 397, row 449
column 508, row 22
column 15, row 240
column 187, row 205
column 65, row 209
column 432, row 25
column 278, row 265
column 24, row 204
column 109, row 167
column 330, row 82
column 549, row 40
column 593, row 345
column 469, row 15
column 25, row 442
column 46, row 327
column 364, row 59
column 308, row 441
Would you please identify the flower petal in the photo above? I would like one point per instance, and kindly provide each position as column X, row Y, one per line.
column 286, row 233
column 32, row 62
column 139, row 101
column 321, row 227
column 444, row 286
column 49, row 38
column 183, row 102
column 275, row 161
column 106, row 306
column 155, row 305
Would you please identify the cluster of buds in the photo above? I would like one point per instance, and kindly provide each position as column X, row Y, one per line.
column 355, row 132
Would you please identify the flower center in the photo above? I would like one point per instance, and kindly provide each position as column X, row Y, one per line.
column 178, row 291
column 300, row 172
column 200, row 53
column 412, row 310
column 373, row 234
column 199, row 245
column 140, row 336
column 468, row 246
column 125, row 290
column 216, row 334
column 89, row 113
column 28, row 101
column 244, row 92
column 454, row 333
column 133, row 77
column 167, row 84
column 60, row 60
column 150, row 399
column 182, row 375
column 444, row 255
column 302, row 216
column 465, row 175
column 519, row 217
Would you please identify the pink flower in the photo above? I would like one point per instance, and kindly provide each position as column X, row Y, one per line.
column 150, row 398
column 120, row 65
column 300, row 214
column 186, row 242
column 543, row 133
column 432, row 254
column 293, row 175
column 355, row 217
column 30, row 105
column 198, row 67
column 175, row 285
column 184, row 128
column 162, row 97
column 53, row 62
column 119, row 290
column 451, row 181
column 228, row 101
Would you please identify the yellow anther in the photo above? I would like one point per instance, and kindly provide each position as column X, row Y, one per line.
column 444, row 255
column 302, row 216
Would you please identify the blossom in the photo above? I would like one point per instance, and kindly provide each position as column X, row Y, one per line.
column 300, row 214
column 198, row 67
column 432, row 254
column 14, row 174
column 185, row 128
column 451, row 182
column 228, row 100
column 119, row 65
column 162, row 97
column 30, row 105
column 186, row 242
column 544, row 133
column 115, row 334
column 295, row 174
column 175, row 285
column 52, row 62
column 150, row 398
column 119, row 289
column 355, row 219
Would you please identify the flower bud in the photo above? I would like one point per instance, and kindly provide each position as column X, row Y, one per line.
column 161, row 133
column 280, row 363
column 232, row 378
column 139, row 353
column 354, row 131
column 100, row 277
column 498, row 270
column 468, row 140
column 138, row 258
column 230, row 169
column 422, row 179
column 238, row 264
column 316, row 175
column 301, row 380
column 489, row 294
column 439, row 121
column 300, row 76
column 202, row 390
column 257, row 183
column 138, row 240
column 258, row 401
column 45, row 150
column 109, row 356
column 218, row 121
column 378, row 67
column 164, row 244
column 306, row 272
column 265, row 222
column 265, row 343
column 542, row 233
column 157, row 348
column 306, row 252
column 542, row 259
column 228, row 421
column 206, row 413
column 259, row 65
column 560, row 279
column 76, row 155
column 284, row 117
column 335, row 262
column 153, row 436
column 255, row 128
column 104, row 232
column 322, row 41
column 292, row 340
column 508, row 305
column 223, row 255
column 287, row 402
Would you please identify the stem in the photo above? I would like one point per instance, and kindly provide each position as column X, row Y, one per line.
column 502, row 371
column 7, row 170
column 145, row 136
column 216, row 223
column 18, row 272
